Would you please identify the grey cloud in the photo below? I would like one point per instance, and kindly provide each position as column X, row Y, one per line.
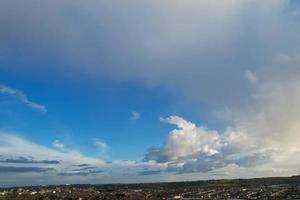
column 28, row 161
column 273, row 113
column 255, row 159
column 81, row 173
column 149, row 172
column 156, row 154
column 82, row 165
column 13, row 169
column 203, row 163
column 185, row 47
column 84, row 168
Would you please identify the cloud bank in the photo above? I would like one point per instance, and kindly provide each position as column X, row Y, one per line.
column 23, row 162
column 188, row 47
column 264, row 132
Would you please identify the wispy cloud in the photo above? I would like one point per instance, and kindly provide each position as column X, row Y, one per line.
column 251, row 77
column 58, row 144
column 25, row 162
column 19, row 151
column 82, row 165
column 6, row 90
column 135, row 116
column 101, row 145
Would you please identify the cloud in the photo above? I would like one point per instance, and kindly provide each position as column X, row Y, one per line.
column 19, row 150
column 80, row 173
column 12, row 169
column 101, row 145
column 52, row 166
column 234, row 154
column 186, row 140
column 59, row 167
column 272, row 113
column 57, row 144
column 198, row 149
column 82, row 165
column 5, row 90
column 149, row 172
column 263, row 133
column 178, row 121
column 135, row 116
column 203, row 163
column 20, row 157
column 84, row 168
column 27, row 161
column 252, row 78
column 186, row 47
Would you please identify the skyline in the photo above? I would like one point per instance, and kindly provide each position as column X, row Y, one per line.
column 138, row 91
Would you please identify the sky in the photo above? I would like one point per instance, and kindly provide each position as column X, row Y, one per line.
column 102, row 91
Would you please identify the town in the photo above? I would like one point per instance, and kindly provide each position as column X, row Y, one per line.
column 261, row 188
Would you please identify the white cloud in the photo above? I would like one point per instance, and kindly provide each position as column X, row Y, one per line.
column 57, row 144
column 188, row 139
column 198, row 149
column 178, row 121
column 265, row 133
column 101, row 145
column 251, row 77
column 20, row 155
column 135, row 116
column 23, row 162
column 22, row 98
column 12, row 145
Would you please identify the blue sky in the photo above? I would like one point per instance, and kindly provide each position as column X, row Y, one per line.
column 77, row 113
column 137, row 91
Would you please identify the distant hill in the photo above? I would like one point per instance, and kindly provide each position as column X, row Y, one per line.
column 293, row 180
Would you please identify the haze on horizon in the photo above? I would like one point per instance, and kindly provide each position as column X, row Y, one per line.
column 103, row 91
